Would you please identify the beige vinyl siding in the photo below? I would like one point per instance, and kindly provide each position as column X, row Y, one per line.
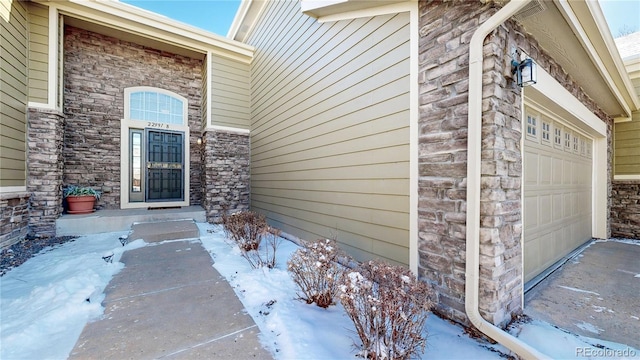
column 13, row 93
column 330, row 129
column 627, row 147
column 38, row 53
column 203, row 100
column 230, row 93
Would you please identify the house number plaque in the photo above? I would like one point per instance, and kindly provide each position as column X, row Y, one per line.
column 157, row 125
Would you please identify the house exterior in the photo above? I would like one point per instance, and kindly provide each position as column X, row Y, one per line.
column 367, row 126
column 625, row 207
column 374, row 122
column 151, row 112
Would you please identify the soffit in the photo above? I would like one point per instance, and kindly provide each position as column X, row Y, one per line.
column 129, row 37
column 320, row 8
column 557, row 38
column 147, row 28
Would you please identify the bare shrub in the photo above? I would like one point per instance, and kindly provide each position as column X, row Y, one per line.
column 316, row 272
column 389, row 308
column 245, row 228
column 265, row 254
column 248, row 229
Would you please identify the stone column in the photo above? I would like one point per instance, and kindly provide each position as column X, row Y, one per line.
column 226, row 175
column 44, row 170
column 625, row 209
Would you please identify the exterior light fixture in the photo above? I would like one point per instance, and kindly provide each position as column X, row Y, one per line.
column 199, row 141
column 526, row 72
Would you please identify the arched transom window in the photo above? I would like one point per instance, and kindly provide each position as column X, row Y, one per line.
column 155, row 105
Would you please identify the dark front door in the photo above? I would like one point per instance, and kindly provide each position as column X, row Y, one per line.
column 165, row 165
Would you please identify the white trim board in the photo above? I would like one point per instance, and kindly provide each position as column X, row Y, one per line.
column 626, row 177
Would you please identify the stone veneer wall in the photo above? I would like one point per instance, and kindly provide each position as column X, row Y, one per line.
column 446, row 29
column 97, row 70
column 226, row 175
column 625, row 209
column 14, row 217
column 44, row 170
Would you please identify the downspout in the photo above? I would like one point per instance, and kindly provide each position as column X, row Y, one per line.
column 474, row 148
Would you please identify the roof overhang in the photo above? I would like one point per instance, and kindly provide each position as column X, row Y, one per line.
column 134, row 24
column 576, row 35
column 322, row 8
column 246, row 17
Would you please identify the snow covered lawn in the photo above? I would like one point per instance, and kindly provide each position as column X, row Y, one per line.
column 46, row 302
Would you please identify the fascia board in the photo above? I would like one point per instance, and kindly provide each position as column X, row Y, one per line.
column 582, row 18
column 239, row 18
column 133, row 20
column 246, row 19
column 323, row 8
column 612, row 49
column 370, row 12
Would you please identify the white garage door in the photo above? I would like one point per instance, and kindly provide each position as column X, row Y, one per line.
column 557, row 192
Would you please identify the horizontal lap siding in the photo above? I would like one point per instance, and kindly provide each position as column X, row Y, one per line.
column 13, row 92
column 38, row 53
column 230, row 93
column 627, row 147
column 204, row 87
column 330, row 129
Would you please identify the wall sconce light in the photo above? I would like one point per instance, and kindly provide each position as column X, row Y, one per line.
column 525, row 71
column 199, row 141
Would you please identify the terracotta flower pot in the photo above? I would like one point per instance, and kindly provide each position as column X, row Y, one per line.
column 81, row 204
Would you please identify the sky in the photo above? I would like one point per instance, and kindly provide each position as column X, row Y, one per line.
column 216, row 15
column 621, row 15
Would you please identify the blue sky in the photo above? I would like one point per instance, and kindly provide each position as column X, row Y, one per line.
column 211, row 15
column 621, row 14
column 216, row 15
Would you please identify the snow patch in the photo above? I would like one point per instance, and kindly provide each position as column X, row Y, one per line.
column 589, row 327
column 47, row 300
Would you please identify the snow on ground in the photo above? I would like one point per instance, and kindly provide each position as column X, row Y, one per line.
column 46, row 301
column 293, row 329
column 559, row 344
column 44, row 307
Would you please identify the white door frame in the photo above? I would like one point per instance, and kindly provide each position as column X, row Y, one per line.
column 126, row 125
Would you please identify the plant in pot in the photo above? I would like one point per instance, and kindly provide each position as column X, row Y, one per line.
column 80, row 199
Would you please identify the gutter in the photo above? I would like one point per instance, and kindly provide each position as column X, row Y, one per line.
column 474, row 161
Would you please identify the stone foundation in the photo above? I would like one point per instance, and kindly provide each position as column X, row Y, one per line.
column 226, row 178
column 14, row 218
column 625, row 209
column 44, row 170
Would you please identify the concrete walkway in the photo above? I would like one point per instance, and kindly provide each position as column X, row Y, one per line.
column 596, row 295
column 169, row 302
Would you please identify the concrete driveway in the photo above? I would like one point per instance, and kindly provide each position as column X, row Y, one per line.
column 596, row 294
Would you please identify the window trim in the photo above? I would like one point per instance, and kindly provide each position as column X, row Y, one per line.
column 136, row 89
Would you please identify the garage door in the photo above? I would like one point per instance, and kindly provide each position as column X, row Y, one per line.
column 557, row 191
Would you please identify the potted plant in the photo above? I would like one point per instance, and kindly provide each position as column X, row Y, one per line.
column 80, row 199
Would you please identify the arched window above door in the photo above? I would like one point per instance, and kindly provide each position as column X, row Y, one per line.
column 144, row 103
